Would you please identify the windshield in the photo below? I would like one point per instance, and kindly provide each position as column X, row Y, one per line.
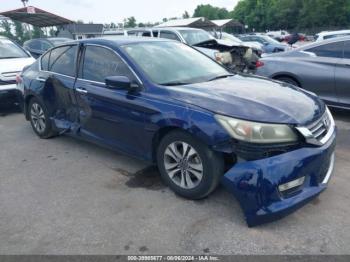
column 57, row 42
column 269, row 39
column 226, row 36
column 8, row 49
column 193, row 37
column 171, row 63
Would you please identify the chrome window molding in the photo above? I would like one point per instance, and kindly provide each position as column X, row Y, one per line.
column 132, row 71
column 330, row 170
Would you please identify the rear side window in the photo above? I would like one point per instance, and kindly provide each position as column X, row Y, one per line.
column 62, row 60
column 100, row 63
column 45, row 61
column 347, row 50
column 34, row 45
column 333, row 50
column 169, row 35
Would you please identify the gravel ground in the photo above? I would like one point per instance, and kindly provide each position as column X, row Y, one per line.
column 63, row 196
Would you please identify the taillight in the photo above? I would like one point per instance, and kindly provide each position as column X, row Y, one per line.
column 259, row 63
column 18, row 79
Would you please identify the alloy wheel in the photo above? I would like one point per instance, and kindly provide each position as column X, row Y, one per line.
column 38, row 117
column 183, row 165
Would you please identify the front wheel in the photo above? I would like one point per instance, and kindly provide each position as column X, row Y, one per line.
column 188, row 166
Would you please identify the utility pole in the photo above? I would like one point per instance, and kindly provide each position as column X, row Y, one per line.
column 25, row 2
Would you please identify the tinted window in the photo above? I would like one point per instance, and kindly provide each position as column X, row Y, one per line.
column 62, row 60
column 169, row 35
column 347, row 50
column 45, row 61
column 34, row 45
column 334, row 50
column 100, row 63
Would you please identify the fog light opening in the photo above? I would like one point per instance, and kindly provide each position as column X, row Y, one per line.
column 291, row 184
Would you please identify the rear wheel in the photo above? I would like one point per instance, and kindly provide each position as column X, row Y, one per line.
column 288, row 80
column 188, row 166
column 39, row 119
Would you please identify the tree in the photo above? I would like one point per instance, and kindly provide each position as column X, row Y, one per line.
column 185, row 15
column 211, row 12
column 37, row 32
column 130, row 22
column 6, row 26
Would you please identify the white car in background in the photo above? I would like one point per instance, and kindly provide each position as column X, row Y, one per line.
column 278, row 35
column 13, row 58
column 331, row 34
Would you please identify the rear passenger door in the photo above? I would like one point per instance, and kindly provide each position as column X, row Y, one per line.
column 56, row 79
column 342, row 76
column 318, row 71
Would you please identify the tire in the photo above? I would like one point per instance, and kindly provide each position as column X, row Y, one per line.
column 194, row 176
column 288, row 80
column 40, row 119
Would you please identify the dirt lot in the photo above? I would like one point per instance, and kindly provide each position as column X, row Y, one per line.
column 63, row 196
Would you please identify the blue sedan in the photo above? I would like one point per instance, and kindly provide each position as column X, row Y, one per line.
column 271, row 144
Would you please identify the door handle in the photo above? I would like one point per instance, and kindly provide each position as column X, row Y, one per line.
column 41, row 79
column 81, row 90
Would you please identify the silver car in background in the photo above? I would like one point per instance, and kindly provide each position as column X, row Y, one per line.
column 322, row 68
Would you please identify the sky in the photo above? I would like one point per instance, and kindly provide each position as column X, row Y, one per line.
column 106, row 11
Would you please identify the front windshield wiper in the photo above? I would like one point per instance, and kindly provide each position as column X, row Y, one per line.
column 174, row 84
column 219, row 77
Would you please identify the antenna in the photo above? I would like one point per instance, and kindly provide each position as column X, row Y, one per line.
column 25, row 2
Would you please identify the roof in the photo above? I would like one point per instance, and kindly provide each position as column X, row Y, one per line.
column 36, row 17
column 198, row 22
column 85, row 28
column 333, row 32
column 226, row 23
column 124, row 40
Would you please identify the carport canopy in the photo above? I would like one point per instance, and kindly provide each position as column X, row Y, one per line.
column 222, row 23
column 197, row 22
column 36, row 17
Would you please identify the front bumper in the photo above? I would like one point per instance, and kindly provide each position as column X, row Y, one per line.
column 255, row 183
column 10, row 94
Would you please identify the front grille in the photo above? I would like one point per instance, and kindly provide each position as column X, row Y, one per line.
column 320, row 128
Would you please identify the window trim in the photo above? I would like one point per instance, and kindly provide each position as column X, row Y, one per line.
column 118, row 55
column 52, row 72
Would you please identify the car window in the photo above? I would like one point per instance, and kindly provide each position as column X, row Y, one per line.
column 9, row 49
column 34, row 45
column 100, row 63
column 45, row 61
column 333, row 50
column 62, row 60
column 336, row 35
column 45, row 46
column 155, row 33
column 347, row 50
column 169, row 35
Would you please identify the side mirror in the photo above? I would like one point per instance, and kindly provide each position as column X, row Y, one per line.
column 121, row 82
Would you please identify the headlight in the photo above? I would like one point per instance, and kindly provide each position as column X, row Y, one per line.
column 256, row 132
column 223, row 57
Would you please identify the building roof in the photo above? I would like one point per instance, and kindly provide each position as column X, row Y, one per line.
column 197, row 22
column 84, row 28
column 226, row 23
column 36, row 17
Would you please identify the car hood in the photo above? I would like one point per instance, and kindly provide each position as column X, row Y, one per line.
column 252, row 98
column 10, row 67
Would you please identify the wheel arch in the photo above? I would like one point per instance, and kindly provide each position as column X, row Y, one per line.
column 287, row 75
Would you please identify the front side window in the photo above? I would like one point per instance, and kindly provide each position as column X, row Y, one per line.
column 100, row 63
column 62, row 60
column 9, row 49
column 171, row 63
column 332, row 50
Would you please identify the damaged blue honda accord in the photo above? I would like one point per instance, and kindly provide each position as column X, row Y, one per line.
column 271, row 144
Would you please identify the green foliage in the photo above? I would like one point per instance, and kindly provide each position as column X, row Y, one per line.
column 130, row 22
column 211, row 12
column 293, row 14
